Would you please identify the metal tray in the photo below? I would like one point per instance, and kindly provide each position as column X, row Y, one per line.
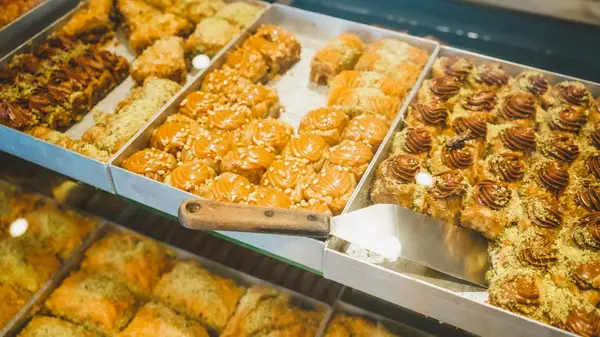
column 67, row 162
column 296, row 94
column 419, row 288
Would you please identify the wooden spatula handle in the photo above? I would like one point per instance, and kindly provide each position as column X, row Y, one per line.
column 205, row 214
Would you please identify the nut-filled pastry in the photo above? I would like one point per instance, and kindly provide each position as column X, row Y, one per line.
column 171, row 137
column 152, row 163
column 370, row 79
column 307, row 148
column 443, row 199
column 193, row 10
column 272, row 134
column 208, row 148
column 210, row 36
column 368, row 129
column 332, row 186
column 356, row 101
column 197, row 104
column 155, row 319
column 396, row 183
column 249, row 161
column 227, row 187
column 351, row 156
column 280, row 48
column 345, row 325
column 269, row 197
column 239, row 12
column 24, row 266
column 328, row 122
column 190, row 176
column 13, row 299
column 289, row 176
column 249, row 63
column 341, row 53
column 163, row 59
column 47, row 326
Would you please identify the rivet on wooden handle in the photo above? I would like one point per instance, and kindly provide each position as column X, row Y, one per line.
column 202, row 214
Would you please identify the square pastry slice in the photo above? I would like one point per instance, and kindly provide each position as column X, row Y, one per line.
column 164, row 59
column 93, row 300
column 210, row 36
column 12, row 299
column 339, row 54
column 280, row 48
column 196, row 292
column 155, row 319
column 46, row 326
column 240, row 13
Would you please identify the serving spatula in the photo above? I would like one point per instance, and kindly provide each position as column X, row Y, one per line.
column 387, row 230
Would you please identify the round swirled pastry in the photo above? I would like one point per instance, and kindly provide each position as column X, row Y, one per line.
column 327, row 122
column 518, row 109
column 222, row 80
column 490, row 76
column 249, row 63
column 350, row 155
column 197, row 104
column 152, row 163
column 170, row 137
column 445, row 89
column 369, row 129
column 228, row 117
column 269, row 197
column 534, row 82
column 262, row 100
column 312, row 205
column 249, row 161
column 432, row 116
column 454, row 66
column 190, row 176
column 572, row 94
column 307, row 148
column 208, row 147
column 289, row 176
column 226, row 187
column 521, row 293
column 272, row 134
column 333, row 187
column 396, row 180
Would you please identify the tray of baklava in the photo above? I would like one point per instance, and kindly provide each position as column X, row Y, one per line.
column 511, row 152
column 75, row 93
column 288, row 117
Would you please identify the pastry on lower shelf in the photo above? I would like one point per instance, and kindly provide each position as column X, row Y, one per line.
column 240, row 13
column 208, row 148
column 415, row 141
column 13, row 299
column 195, row 10
column 489, row 76
column 395, row 181
column 133, row 260
column 453, row 66
column 356, row 101
column 197, row 104
column 24, row 266
column 289, row 176
column 93, row 300
column 210, row 36
column 327, row 122
column 346, row 325
column 14, row 203
column 269, row 197
column 339, row 54
column 349, row 155
column 370, row 79
column 249, row 161
column 559, row 145
column 249, row 63
column 263, row 101
column 223, row 80
column 332, row 186
column 190, row 176
column 443, row 199
column 272, row 134
column 200, row 294
column 163, row 59
column 368, row 129
column 312, row 206
column 155, row 319
column 152, row 163
column 12, row 10
column 47, row 326
column 227, row 187
column 280, row 48
column 308, row 148
column 431, row 116
column 268, row 312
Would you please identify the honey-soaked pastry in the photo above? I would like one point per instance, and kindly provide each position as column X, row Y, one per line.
column 24, row 266
column 280, row 48
column 308, row 148
column 88, row 25
column 586, row 232
column 339, row 54
column 272, row 134
column 368, row 129
column 269, row 312
column 135, row 261
column 370, row 79
column 489, row 207
column 560, row 146
column 333, row 186
column 249, row 161
column 240, row 13
column 547, row 175
column 535, row 83
column 356, row 101
column 327, row 122
column 197, row 104
column 152, row 163
column 47, row 326
column 289, row 176
column 190, row 176
column 346, row 325
column 567, row 119
column 445, row 89
column 249, row 63
column 455, row 153
column 395, row 182
column 199, row 294
column 454, row 66
column 170, row 137
column 443, row 199
column 163, row 59
column 210, row 36
column 227, row 187
column 415, row 141
column 263, row 101
column 64, row 141
column 489, row 77
column 228, row 117
column 514, row 138
column 587, row 275
column 540, row 250
column 350, row 155
column 312, row 206
column 183, row 119
column 583, row 198
column 223, row 80
column 505, row 165
column 544, row 212
column 269, row 197
column 431, row 116
column 194, row 10
column 95, row 301
column 208, row 148
column 572, row 94
column 587, row 166
column 13, row 299
column 519, row 293
column 519, row 109
column 583, row 322
column 156, row 319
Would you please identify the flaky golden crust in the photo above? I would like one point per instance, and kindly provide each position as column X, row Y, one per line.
column 210, row 36
column 155, row 319
column 356, row 101
column 163, row 59
column 343, row 325
column 13, row 299
column 46, row 326
column 190, row 176
column 151, row 163
column 279, row 48
column 332, row 186
column 327, row 122
column 249, row 63
column 249, row 161
column 227, row 187
column 339, row 54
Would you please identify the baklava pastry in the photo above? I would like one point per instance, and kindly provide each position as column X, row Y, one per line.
column 370, row 79
column 520, row 292
column 415, row 141
column 349, row 155
column 227, row 187
column 249, row 63
column 586, row 232
column 307, row 148
column 543, row 211
column 269, row 197
column 445, row 89
column 513, row 138
column 163, row 59
column 443, row 199
column 332, row 186
column 151, row 163
column 199, row 294
column 223, row 80
column 208, row 148
column 46, row 326
column 356, row 101
column 279, row 48
column 539, row 249
column 197, row 104
column 133, row 260
column 155, row 319
column 489, row 76
column 210, row 36
column 518, row 109
column 587, row 275
column 548, row 176
column 194, row 10
column 328, row 122
column 567, row 119
column 13, row 299
column 239, row 13
column 183, row 119
column 312, row 206
column 535, row 83
column 489, row 207
column 249, row 161
column 583, row 322
column 395, row 182
column 368, row 129
column 587, row 165
column 272, row 134
column 228, row 118
column 559, row 146
column 339, row 54
column 190, row 176
column 505, row 165
column 24, row 266
column 94, row 301
column 263, row 101
column 432, row 116
column 572, row 94
column 268, row 312
column 455, row 153
column 171, row 137
column 454, row 66
column 289, row 176
column 345, row 325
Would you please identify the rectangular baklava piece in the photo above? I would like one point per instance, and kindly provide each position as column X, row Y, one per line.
column 199, row 294
column 338, row 55
column 156, row 319
column 46, row 326
column 346, row 325
column 12, row 299
column 95, row 301
column 164, row 59
column 210, row 36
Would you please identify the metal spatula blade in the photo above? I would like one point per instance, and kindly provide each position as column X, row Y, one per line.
column 387, row 230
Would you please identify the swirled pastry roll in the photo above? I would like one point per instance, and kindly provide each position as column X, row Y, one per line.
column 171, row 137
column 261, row 100
column 227, row 187
column 356, row 101
column 249, row 161
column 307, row 148
column 197, row 104
column 312, row 206
column 368, row 129
column 152, row 163
column 228, row 117
column 341, row 53
column 328, row 122
column 395, row 182
column 349, row 155
column 272, row 134
column 223, row 80
column 208, row 148
column 289, row 176
column 269, row 197
column 332, row 186
column 190, row 176
column 249, row 63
